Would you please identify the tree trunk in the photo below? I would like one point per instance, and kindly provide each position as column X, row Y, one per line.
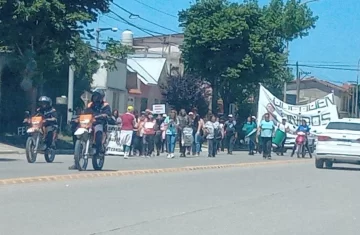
column 214, row 99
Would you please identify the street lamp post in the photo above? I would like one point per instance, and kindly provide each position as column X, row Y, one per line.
column 98, row 30
column 70, row 98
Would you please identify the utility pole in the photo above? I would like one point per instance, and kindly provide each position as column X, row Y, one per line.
column 70, row 99
column 285, row 83
column 357, row 90
column 297, row 83
column 97, row 38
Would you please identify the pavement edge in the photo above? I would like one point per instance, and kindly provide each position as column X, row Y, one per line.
column 54, row 178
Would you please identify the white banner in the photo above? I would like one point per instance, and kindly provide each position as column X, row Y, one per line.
column 317, row 113
column 113, row 147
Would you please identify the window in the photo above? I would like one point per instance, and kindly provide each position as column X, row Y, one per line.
column 350, row 126
column 144, row 103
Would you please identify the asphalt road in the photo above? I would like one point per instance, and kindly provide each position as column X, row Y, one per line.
column 14, row 166
column 284, row 199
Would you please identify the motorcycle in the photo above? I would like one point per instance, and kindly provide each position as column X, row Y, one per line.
column 300, row 144
column 85, row 146
column 39, row 140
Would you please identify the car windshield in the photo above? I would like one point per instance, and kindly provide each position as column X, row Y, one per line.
column 343, row 126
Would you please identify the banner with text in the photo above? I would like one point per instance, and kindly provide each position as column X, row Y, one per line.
column 317, row 113
column 113, row 147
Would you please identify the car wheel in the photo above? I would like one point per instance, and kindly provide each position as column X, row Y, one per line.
column 329, row 164
column 319, row 163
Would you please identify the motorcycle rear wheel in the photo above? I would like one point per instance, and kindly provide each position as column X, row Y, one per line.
column 79, row 155
column 49, row 155
column 29, row 150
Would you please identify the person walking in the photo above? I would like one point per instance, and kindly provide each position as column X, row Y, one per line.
column 171, row 132
column 183, row 122
column 230, row 133
column 149, row 135
column 249, row 127
column 197, row 125
column 266, row 130
column 128, row 124
column 284, row 127
column 209, row 130
column 158, row 135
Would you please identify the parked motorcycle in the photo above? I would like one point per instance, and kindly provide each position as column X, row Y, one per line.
column 300, row 144
column 85, row 145
column 39, row 141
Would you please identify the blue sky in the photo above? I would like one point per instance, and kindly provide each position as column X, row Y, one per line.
column 335, row 42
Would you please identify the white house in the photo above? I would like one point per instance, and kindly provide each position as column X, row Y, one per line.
column 114, row 84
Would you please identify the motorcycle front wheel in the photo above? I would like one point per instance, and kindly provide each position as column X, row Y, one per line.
column 30, row 149
column 81, row 161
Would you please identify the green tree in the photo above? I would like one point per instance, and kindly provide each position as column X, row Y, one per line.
column 235, row 46
column 39, row 33
column 185, row 92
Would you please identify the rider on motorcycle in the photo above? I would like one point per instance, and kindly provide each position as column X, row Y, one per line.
column 306, row 129
column 102, row 112
column 50, row 120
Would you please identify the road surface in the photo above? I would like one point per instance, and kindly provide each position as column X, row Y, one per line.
column 14, row 166
column 281, row 199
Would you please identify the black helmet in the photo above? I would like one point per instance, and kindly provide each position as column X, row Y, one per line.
column 97, row 96
column 45, row 101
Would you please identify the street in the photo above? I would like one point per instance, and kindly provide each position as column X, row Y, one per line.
column 14, row 166
column 279, row 199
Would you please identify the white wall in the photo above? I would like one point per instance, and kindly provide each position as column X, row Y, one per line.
column 100, row 77
column 117, row 78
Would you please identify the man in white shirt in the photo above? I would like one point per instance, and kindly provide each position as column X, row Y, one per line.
column 284, row 126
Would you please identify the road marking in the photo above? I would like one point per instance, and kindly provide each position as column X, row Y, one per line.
column 87, row 175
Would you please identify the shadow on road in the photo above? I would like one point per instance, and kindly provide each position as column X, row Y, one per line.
column 48, row 163
column 344, row 169
column 9, row 160
column 106, row 170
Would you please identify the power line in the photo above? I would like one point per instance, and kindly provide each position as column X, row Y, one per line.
column 325, row 67
column 121, row 19
column 153, row 8
column 146, row 20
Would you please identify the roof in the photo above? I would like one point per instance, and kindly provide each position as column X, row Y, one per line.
column 323, row 82
column 148, row 69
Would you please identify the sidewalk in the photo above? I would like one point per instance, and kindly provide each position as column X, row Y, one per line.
column 8, row 149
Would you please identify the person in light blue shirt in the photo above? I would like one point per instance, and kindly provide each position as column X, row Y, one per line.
column 171, row 132
column 266, row 130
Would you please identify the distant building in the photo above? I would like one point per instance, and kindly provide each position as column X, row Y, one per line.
column 312, row 89
column 165, row 46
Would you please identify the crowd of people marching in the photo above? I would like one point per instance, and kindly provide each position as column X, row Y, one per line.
column 147, row 134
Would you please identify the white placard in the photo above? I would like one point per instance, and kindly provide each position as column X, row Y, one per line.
column 158, row 109
column 113, row 147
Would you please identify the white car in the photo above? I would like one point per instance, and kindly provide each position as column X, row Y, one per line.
column 339, row 142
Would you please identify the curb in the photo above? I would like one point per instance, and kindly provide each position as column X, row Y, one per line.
column 55, row 178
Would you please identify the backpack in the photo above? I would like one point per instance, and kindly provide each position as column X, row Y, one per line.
column 230, row 128
column 217, row 133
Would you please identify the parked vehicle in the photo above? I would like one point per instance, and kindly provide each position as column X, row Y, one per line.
column 85, row 146
column 39, row 140
column 339, row 142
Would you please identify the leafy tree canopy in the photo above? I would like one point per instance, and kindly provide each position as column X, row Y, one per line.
column 237, row 45
column 185, row 92
column 39, row 32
